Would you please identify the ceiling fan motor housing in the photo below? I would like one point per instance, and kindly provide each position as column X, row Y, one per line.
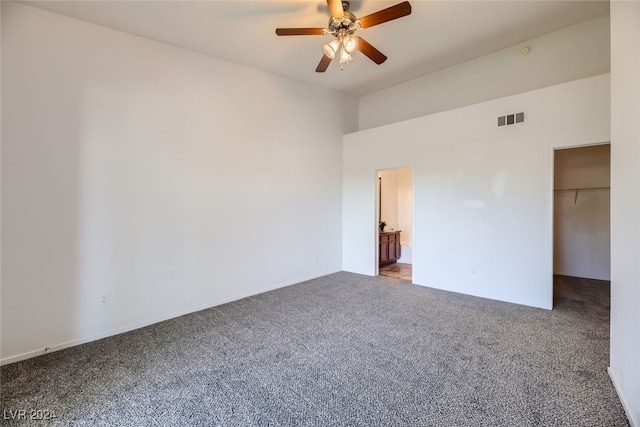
column 347, row 25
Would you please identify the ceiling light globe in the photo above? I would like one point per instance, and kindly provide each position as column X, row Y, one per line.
column 350, row 44
column 331, row 49
column 345, row 57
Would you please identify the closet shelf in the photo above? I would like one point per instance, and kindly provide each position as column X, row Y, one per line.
column 583, row 189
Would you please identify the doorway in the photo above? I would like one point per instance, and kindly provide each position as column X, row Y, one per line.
column 395, row 223
column 581, row 224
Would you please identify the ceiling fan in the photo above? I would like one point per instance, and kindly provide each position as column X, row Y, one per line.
column 343, row 25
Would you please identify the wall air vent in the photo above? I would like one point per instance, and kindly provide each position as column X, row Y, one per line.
column 511, row 119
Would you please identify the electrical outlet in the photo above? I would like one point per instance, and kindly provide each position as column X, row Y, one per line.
column 104, row 300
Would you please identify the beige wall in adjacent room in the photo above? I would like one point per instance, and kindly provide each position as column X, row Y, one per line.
column 397, row 201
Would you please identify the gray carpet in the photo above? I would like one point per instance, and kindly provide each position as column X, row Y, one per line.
column 340, row 350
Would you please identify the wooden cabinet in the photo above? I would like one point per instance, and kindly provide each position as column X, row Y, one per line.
column 390, row 249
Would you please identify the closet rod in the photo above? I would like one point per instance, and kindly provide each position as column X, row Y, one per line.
column 577, row 190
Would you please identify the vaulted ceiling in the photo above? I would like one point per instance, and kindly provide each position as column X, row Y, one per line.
column 436, row 35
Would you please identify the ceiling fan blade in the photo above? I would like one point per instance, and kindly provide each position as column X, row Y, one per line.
column 374, row 54
column 335, row 7
column 385, row 15
column 324, row 63
column 300, row 31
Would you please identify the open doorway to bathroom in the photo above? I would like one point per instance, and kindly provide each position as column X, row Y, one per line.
column 395, row 223
column 581, row 226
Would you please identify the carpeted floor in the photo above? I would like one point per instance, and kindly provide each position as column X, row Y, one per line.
column 340, row 350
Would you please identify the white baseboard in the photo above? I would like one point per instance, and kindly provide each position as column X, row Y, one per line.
column 138, row 325
column 625, row 405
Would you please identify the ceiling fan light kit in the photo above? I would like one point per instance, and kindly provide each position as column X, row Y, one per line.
column 344, row 46
column 343, row 25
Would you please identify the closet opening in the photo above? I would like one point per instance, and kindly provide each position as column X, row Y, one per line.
column 581, row 225
column 395, row 223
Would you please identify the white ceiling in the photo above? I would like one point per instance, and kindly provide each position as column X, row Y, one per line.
column 436, row 35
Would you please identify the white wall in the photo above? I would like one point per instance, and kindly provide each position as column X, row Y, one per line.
column 166, row 179
column 581, row 243
column 572, row 53
column 482, row 194
column 625, row 204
